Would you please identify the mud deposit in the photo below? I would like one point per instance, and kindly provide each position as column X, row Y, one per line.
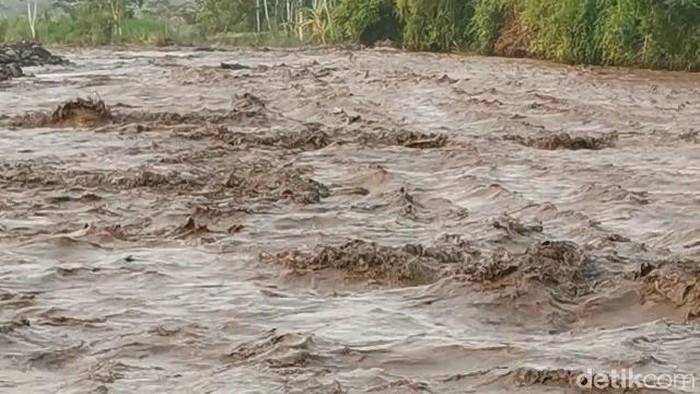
column 332, row 221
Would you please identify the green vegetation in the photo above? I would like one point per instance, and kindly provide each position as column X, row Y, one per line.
column 367, row 21
column 67, row 31
column 641, row 33
column 89, row 22
column 649, row 33
column 435, row 25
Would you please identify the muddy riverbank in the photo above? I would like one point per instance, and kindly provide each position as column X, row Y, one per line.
column 336, row 221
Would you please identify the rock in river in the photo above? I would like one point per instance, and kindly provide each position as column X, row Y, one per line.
column 24, row 54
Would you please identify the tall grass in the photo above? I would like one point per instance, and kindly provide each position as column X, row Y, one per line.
column 564, row 30
column 645, row 33
column 486, row 25
column 435, row 25
column 64, row 30
column 367, row 21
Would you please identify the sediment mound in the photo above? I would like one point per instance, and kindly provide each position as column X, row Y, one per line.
column 411, row 264
column 561, row 377
column 361, row 260
column 561, row 266
column 32, row 175
column 408, row 139
column 310, row 139
column 73, row 113
column 397, row 202
column 247, row 109
column 407, row 203
column 313, row 138
column 88, row 112
column 514, row 226
column 262, row 180
column 565, row 141
column 256, row 181
column 275, row 350
column 581, row 381
column 677, row 282
column 613, row 193
column 81, row 113
column 243, row 106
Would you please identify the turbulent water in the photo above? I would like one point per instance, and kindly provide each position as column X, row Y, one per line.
column 341, row 221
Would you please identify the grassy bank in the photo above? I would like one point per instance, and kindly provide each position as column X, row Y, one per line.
column 637, row 33
column 67, row 31
column 136, row 31
column 644, row 33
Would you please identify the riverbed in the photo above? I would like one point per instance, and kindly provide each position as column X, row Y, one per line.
column 346, row 221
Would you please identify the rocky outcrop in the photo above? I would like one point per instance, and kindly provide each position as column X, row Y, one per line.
column 24, row 54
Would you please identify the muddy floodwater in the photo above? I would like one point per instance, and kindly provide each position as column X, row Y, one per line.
column 346, row 221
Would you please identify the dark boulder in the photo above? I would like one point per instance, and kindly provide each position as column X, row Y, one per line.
column 24, row 54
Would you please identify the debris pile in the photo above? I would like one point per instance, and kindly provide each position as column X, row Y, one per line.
column 362, row 260
column 265, row 181
column 78, row 112
column 561, row 266
column 89, row 112
column 408, row 139
column 674, row 281
column 565, row 141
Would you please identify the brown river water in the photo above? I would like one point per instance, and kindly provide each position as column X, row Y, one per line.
column 347, row 221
